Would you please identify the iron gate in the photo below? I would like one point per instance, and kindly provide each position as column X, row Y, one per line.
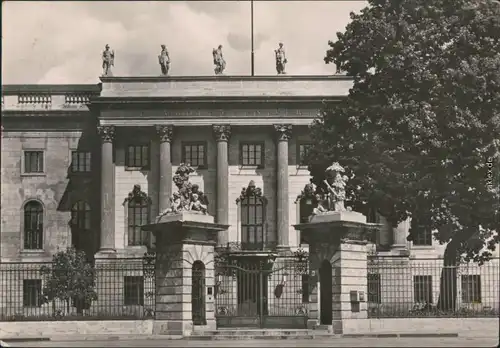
column 261, row 295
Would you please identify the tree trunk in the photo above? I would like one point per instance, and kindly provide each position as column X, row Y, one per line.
column 447, row 300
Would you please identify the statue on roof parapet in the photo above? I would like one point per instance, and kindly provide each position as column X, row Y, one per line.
column 108, row 60
column 220, row 63
column 188, row 196
column 280, row 59
column 164, row 60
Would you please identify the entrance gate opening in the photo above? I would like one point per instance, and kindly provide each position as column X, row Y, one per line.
column 325, row 281
column 250, row 295
column 198, row 307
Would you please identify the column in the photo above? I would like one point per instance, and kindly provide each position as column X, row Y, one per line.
column 284, row 132
column 107, row 134
column 222, row 134
column 165, row 133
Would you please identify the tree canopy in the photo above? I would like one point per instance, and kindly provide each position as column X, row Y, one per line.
column 419, row 133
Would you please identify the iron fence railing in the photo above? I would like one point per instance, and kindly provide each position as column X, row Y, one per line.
column 114, row 289
column 401, row 287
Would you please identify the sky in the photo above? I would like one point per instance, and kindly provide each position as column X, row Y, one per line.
column 48, row 42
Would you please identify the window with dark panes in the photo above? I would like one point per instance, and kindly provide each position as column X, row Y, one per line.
column 302, row 153
column 33, row 161
column 252, row 223
column 80, row 215
column 137, row 156
column 33, row 226
column 422, row 289
column 80, row 161
column 374, row 288
column 133, row 289
column 423, row 237
column 252, row 154
column 32, row 291
column 194, row 154
column 138, row 215
column 471, row 288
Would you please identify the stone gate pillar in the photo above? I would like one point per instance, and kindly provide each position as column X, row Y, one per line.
column 184, row 241
column 338, row 262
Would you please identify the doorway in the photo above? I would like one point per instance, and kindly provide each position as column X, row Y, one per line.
column 325, row 279
column 198, row 307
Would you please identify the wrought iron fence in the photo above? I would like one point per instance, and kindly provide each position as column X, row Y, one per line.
column 112, row 289
column 400, row 287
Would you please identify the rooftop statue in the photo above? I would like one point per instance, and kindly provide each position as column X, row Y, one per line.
column 188, row 196
column 164, row 60
column 108, row 60
column 220, row 63
column 280, row 59
column 336, row 183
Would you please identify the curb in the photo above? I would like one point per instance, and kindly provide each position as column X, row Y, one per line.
column 401, row 335
column 76, row 338
column 3, row 344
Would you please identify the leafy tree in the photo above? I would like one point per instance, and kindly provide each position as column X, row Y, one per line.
column 421, row 124
column 71, row 279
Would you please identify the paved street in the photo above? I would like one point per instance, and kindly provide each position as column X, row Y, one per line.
column 337, row 342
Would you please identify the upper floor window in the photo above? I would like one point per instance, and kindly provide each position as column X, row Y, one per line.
column 80, row 161
column 137, row 157
column 373, row 217
column 33, row 226
column 252, row 217
column 252, row 154
column 80, row 215
column 471, row 288
column 423, row 237
column 195, row 154
column 138, row 214
column 303, row 151
column 33, row 162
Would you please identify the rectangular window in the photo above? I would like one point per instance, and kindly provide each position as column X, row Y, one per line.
column 424, row 237
column 133, row 289
column 195, row 153
column 374, row 288
column 33, row 161
column 302, row 154
column 422, row 289
column 471, row 288
column 80, row 161
column 252, row 154
column 137, row 157
column 32, row 292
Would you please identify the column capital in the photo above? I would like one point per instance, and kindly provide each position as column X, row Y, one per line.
column 107, row 133
column 284, row 131
column 222, row 132
column 165, row 132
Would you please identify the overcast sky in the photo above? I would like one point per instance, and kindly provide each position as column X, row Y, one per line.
column 61, row 42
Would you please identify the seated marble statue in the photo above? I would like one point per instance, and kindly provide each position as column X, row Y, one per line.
column 319, row 209
column 175, row 204
column 196, row 204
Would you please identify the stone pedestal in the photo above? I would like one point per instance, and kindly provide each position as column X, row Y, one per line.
column 338, row 263
column 185, row 244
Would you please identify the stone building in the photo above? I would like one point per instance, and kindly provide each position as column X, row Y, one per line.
column 73, row 154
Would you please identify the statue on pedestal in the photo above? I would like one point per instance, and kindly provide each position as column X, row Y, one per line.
column 220, row 63
column 336, row 183
column 164, row 60
column 188, row 196
column 108, row 60
column 280, row 59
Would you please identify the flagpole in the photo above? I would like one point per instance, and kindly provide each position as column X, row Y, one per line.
column 251, row 28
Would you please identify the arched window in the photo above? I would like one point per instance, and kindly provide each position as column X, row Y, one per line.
column 252, row 218
column 80, row 215
column 33, row 226
column 138, row 206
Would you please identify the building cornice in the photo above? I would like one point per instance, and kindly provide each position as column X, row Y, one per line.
column 212, row 100
column 121, row 79
column 51, row 89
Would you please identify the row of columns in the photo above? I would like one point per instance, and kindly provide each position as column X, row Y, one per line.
column 165, row 133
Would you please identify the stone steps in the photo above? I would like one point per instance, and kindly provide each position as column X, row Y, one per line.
column 256, row 334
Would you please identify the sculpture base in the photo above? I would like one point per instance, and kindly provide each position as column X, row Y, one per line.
column 348, row 216
column 186, row 216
